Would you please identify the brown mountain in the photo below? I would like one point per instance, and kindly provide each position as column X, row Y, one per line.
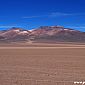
column 58, row 33
column 14, row 34
column 42, row 34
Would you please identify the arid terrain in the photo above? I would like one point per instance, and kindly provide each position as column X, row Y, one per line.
column 42, row 64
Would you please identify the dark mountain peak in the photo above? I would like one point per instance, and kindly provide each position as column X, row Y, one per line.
column 52, row 30
column 56, row 28
column 51, row 27
column 15, row 28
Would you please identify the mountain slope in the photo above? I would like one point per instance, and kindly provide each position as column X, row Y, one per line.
column 58, row 33
column 15, row 34
column 42, row 34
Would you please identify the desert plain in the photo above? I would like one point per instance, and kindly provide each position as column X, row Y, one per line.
column 42, row 64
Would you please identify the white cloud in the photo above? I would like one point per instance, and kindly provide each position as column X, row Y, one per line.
column 56, row 14
column 77, row 26
column 34, row 16
column 4, row 26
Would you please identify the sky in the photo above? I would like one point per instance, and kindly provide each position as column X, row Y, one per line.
column 29, row 14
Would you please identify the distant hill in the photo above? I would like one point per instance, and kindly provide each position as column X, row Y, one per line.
column 42, row 34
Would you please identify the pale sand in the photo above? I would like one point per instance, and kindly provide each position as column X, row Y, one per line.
column 42, row 65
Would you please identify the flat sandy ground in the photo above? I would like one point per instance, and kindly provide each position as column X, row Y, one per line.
column 57, row 65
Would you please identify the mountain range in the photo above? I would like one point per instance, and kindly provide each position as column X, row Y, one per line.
column 42, row 34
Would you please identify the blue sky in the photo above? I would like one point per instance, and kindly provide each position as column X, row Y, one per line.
column 30, row 14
